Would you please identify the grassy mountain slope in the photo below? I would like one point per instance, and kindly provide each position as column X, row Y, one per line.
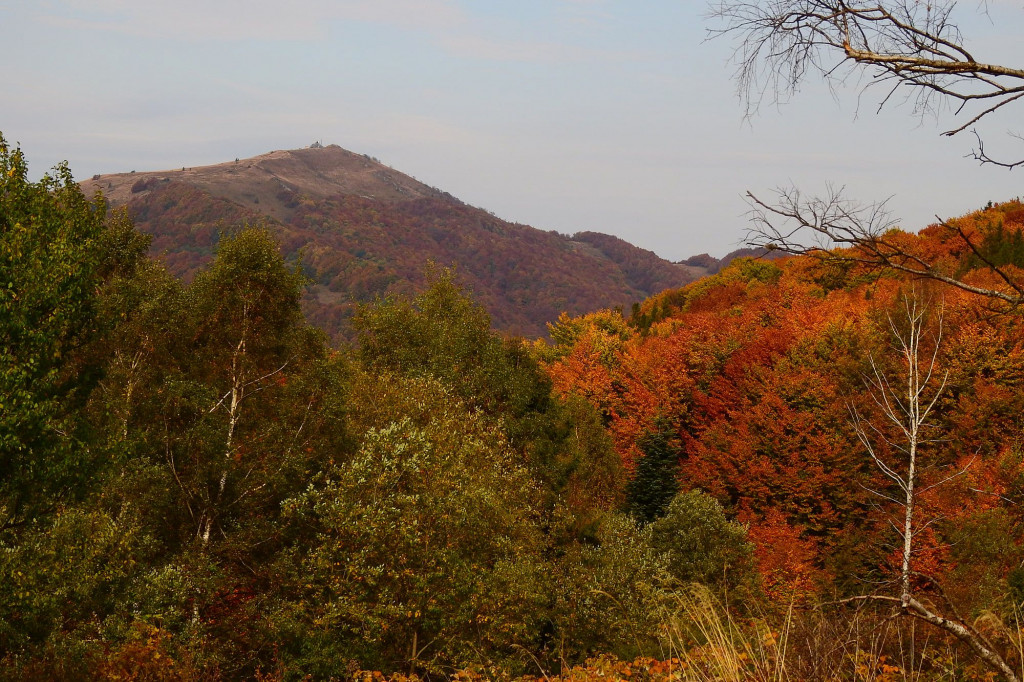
column 364, row 230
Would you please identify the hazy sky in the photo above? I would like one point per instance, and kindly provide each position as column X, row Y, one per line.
column 568, row 115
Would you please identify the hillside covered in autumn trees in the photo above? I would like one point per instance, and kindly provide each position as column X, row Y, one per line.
column 753, row 374
column 198, row 484
column 364, row 230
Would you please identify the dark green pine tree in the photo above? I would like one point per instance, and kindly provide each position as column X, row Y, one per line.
column 656, row 480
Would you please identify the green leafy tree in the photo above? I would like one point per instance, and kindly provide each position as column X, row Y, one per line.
column 223, row 388
column 422, row 551
column 64, row 583
column 215, row 403
column 577, row 462
column 244, row 308
column 443, row 333
column 701, row 545
column 608, row 595
column 50, row 259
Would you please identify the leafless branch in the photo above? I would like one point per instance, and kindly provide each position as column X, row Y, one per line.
column 899, row 45
column 834, row 229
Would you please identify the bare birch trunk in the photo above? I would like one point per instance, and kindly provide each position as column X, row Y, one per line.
column 238, row 385
column 909, row 413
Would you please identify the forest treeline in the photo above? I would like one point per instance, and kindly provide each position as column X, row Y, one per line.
column 195, row 484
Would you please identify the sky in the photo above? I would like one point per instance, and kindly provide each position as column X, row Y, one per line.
column 616, row 116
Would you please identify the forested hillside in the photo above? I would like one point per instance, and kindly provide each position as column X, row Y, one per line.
column 817, row 399
column 364, row 230
column 196, row 484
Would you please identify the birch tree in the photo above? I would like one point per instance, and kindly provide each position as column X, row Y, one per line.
column 244, row 401
column 906, row 400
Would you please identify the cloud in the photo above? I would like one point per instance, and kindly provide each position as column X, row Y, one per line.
column 445, row 23
column 472, row 46
column 195, row 20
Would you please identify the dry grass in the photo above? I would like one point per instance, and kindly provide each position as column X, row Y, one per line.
column 707, row 642
column 713, row 645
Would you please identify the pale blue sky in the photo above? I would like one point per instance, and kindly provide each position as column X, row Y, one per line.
column 568, row 115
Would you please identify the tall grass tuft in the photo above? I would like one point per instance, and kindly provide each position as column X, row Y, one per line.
column 713, row 645
column 806, row 643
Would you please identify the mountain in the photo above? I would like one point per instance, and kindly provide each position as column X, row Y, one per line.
column 363, row 230
column 704, row 265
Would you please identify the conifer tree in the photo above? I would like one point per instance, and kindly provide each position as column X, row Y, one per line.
column 655, row 483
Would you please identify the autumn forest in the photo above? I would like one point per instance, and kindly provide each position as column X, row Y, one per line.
column 197, row 484
column 304, row 417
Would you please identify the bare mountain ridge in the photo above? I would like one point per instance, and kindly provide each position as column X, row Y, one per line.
column 364, row 229
column 273, row 181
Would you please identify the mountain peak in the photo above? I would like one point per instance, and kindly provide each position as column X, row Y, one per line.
column 272, row 183
column 365, row 230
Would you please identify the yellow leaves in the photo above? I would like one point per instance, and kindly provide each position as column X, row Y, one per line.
column 876, row 669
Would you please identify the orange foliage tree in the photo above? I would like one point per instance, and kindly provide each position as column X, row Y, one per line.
column 756, row 369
